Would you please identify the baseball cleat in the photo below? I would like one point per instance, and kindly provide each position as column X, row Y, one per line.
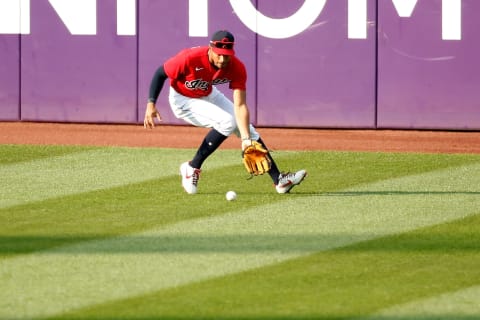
column 288, row 180
column 190, row 177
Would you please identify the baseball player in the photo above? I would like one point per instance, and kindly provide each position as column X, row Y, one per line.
column 193, row 97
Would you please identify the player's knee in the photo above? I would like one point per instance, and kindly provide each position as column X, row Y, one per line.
column 227, row 126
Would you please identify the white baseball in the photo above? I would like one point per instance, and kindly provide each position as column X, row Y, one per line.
column 231, row 195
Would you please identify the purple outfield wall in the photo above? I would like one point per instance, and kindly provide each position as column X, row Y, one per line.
column 9, row 77
column 71, row 78
column 425, row 82
column 319, row 78
column 311, row 63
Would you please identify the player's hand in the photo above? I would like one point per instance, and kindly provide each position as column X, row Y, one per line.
column 151, row 113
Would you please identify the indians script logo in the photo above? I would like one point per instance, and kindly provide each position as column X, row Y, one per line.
column 80, row 17
column 202, row 84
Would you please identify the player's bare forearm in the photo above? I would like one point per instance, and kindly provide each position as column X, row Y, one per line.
column 243, row 120
column 242, row 114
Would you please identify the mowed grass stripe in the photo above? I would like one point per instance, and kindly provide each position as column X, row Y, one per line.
column 460, row 304
column 99, row 271
column 130, row 208
column 15, row 153
column 80, row 172
column 349, row 282
column 55, row 219
column 58, row 171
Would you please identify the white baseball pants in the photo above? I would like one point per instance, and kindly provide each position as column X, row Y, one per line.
column 213, row 111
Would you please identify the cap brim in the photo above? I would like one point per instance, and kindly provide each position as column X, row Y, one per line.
column 222, row 51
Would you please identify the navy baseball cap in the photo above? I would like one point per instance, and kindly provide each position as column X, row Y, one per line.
column 222, row 43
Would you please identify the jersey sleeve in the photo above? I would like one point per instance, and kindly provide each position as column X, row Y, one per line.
column 239, row 76
column 176, row 65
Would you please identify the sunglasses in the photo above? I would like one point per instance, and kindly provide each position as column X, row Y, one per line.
column 221, row 44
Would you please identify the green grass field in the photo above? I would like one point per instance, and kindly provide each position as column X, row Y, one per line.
column 108, row 233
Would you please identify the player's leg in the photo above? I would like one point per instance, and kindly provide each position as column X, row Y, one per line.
column 217, row 112
column 279, row 179
column 274, row 172
column 201, row 113
column 283, row 181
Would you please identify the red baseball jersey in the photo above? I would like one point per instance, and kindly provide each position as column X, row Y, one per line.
column 192, row 75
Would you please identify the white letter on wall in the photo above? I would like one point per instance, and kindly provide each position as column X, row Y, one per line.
column 357, row 19
column 79, row 16
column 278, row 28
column 14, row 16
column 451, row 16
column 452, row 19
column 404, row 7
column 126, row 17
column 198, row 18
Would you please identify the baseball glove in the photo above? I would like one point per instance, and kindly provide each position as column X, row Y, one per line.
column 256, row 159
